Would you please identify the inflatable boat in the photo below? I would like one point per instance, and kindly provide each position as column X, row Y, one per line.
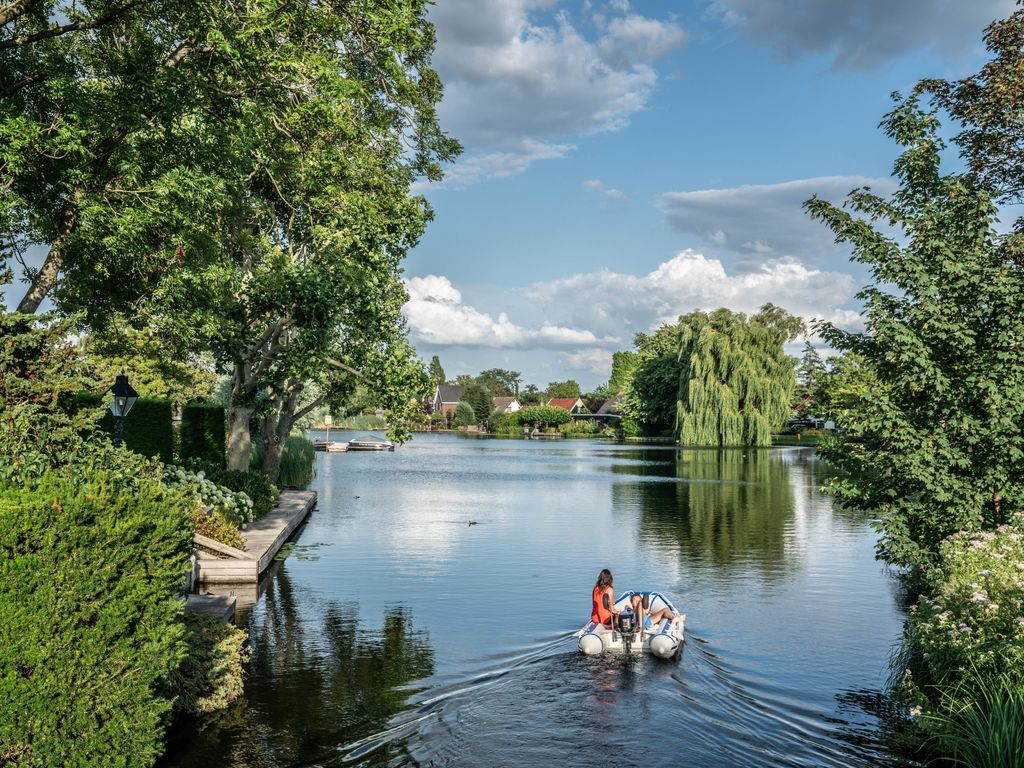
column 663, row 639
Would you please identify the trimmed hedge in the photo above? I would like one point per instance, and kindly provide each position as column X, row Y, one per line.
column 90, row 576
column 147, row 428
column 203, row 433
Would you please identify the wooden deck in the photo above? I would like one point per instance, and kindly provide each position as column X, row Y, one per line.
column 221, row 564
column 221, row 606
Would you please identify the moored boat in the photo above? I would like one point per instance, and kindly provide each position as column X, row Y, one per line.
column 663, row 638
column 370, row 443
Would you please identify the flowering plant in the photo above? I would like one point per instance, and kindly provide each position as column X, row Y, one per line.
column 234, row 505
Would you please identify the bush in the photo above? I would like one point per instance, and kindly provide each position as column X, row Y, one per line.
column 211, row 676
column 253, row 484
column 203, row 433
column 147, row 427
column 90, row 577
column 543, row 415
column 464, row 415
column 235, row 505
column 297, row 462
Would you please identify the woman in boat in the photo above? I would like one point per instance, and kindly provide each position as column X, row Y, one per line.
column 603, row 611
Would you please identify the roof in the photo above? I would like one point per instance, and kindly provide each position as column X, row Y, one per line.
column 566, row 403
column 503, row 402
column 450, row 393
column 611, row 406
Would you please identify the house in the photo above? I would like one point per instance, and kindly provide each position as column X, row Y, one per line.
column 570, row 404
column 611, row 406
column 446, row 399
column 506, row 404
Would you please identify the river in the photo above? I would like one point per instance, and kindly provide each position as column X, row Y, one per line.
column 397, row 633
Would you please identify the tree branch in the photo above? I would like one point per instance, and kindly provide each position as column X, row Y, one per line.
column 63, row 29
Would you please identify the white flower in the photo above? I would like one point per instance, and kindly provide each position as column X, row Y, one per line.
column 915, row 711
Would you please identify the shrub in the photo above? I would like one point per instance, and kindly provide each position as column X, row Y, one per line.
column 253, row 484
column 974, row 619
column 90, row 575
column 297, row 462
column 203, row 433
column 211, row 675
column 464, row 415
column 147, row 428
column 235, row 505
column 543, row 415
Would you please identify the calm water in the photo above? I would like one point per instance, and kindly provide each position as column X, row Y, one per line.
column 397, row 634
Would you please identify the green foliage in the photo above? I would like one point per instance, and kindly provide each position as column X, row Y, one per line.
column 624, row 365
column 499, row 382
column 940, row 447
column 90, row 571
column 297, row 462
column 464, row 415
column 207, row 491
column 974, row 616
column 846, row 387
column 736, row 384
column 436, row 372
column 810, row 375
column 651, row 380
column 542, row 416
column 479, row 400
column 562, row 389
column 530, row 395
column 252, row 484
column 211, row 675
column 147, row 428
column 203, row 433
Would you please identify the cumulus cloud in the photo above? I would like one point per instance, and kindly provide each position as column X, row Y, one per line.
column 520, row 80
column 595, row 360
column 764, row 220
column 864, row 33
column 607, row 302
column 596, row 185
column 437, row 316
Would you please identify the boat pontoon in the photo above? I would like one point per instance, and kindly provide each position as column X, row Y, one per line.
column 664, row 638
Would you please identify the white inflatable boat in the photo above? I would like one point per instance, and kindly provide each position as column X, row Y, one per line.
column 664, row 638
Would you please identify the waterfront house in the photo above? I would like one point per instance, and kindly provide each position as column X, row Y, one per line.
column 506, row 404
column 446, row 399
column 571, row 404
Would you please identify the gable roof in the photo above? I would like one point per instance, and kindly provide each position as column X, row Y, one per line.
column 449, row 393
column 611, row 405
column 566, row 403
column 503, row 402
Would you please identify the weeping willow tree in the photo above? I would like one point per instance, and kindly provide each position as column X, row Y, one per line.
column 737, row 382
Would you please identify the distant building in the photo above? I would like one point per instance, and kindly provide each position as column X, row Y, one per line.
column 446, row 399
column 570, row 404
column 506, row 404
column 610, row 406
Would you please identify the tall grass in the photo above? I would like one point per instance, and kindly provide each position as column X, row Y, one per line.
column 984, row 725
column 297, row 463
column 362, row 421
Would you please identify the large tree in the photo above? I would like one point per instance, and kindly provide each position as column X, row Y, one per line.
column 736, row 383
column 500, row 382
column 939, row 447
column 651, row 380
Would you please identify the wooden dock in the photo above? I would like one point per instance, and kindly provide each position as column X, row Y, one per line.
column 220, row 564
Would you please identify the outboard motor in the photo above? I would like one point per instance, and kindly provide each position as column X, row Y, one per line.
column 628, row 628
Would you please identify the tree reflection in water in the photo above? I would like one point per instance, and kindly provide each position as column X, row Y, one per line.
column 318, row 680
column 727, row 508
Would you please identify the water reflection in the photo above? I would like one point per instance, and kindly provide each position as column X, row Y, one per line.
column 722, row 507
column 318, row 678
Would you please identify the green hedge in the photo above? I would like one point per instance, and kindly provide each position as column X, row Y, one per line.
column 91, row 570
column 203, row 433
column 147, row 428
column 253, row 484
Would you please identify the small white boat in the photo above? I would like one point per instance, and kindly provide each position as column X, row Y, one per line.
column 370, row 443
column 663, row 639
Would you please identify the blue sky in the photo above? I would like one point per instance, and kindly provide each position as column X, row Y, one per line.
column 630, row 161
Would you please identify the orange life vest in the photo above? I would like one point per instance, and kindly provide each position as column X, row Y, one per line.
column 600, row 614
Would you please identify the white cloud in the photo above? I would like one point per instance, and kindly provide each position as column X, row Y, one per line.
column 596, row 185
column 595, row 360
column 861, row 34
column 437, row 316
column 614, row 303
column 520, row 81
column 754, row 220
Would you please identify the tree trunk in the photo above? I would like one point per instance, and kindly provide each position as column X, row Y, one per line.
column 46, row 278
column 276, row 429
column 239, row 441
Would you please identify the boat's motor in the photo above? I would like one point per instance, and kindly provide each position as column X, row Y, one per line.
column 627, row 628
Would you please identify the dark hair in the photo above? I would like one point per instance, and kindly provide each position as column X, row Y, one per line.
column 604, row 579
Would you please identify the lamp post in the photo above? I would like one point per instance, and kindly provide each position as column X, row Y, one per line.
column 124, row 399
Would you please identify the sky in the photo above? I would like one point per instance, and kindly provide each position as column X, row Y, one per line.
column 626, row 162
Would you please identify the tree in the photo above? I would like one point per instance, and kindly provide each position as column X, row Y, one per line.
column 848, row 382
column 624, row 365
column 543, row 416
column 479, row 400
column 651, row 380
column 499, row 382
column 530, row 395
column 464, row 415
column 809, row 375
column 436, row 372
column 464, row 380
column 939, row 447
column 737, row 382
column 563, row 389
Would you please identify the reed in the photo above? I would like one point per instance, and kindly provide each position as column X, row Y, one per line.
column 984, row 725
column 297, row 462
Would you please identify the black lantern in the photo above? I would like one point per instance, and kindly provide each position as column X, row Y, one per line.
column 124, row 399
